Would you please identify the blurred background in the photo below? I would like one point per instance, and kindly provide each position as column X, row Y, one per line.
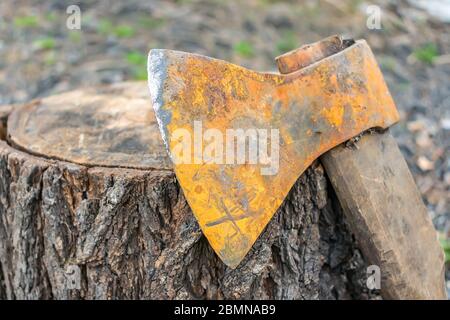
column 40, row 55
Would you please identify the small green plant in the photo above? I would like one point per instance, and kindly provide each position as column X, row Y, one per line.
column 136, row 58
column 51, row 17
column 26, row 21
column 139, row 73
column 124, row 31
column 244, row 49
column 75, row 36
column 138, row 63
column 45, row 43
column 287, row 42
column 426, row 53
column 107, row 27
column 445, row 243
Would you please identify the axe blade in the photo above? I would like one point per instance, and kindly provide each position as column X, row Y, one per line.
column 204, row 105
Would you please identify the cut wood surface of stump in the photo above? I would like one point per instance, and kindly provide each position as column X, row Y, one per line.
column 85, row 183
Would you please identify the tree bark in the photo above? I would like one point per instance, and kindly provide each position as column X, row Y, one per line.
column 80, row 187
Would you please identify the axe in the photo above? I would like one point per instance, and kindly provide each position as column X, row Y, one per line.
column 239, row 140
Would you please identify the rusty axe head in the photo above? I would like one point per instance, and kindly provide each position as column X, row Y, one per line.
column 239, row 139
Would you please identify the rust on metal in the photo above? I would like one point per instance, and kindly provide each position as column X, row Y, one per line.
column 314, row 109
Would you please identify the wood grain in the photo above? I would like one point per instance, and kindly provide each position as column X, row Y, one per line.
column 108, row 126
column 388, row 217
column 5, row 110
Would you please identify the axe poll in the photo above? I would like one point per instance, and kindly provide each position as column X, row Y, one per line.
column 326, row 93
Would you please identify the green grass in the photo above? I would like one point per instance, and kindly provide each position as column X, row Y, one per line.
column 139, row 74
column 26, row 22
column 45, row 43
column 107, row 27
column 445, row 243
column 124, row 31
column 136, row 58
column 75, row 36
column 287, row 42
column 51, row 16
column 426, row 53
column 244, row 49
column 138, row 65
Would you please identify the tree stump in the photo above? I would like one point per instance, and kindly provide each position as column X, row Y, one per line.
column 85, row 182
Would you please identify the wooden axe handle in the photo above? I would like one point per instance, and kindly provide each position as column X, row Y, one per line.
column 381, row 202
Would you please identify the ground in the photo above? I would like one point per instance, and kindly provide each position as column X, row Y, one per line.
column 40, row 56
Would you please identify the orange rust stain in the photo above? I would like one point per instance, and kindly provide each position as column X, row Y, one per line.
column 334, row 115
column 314, row 111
